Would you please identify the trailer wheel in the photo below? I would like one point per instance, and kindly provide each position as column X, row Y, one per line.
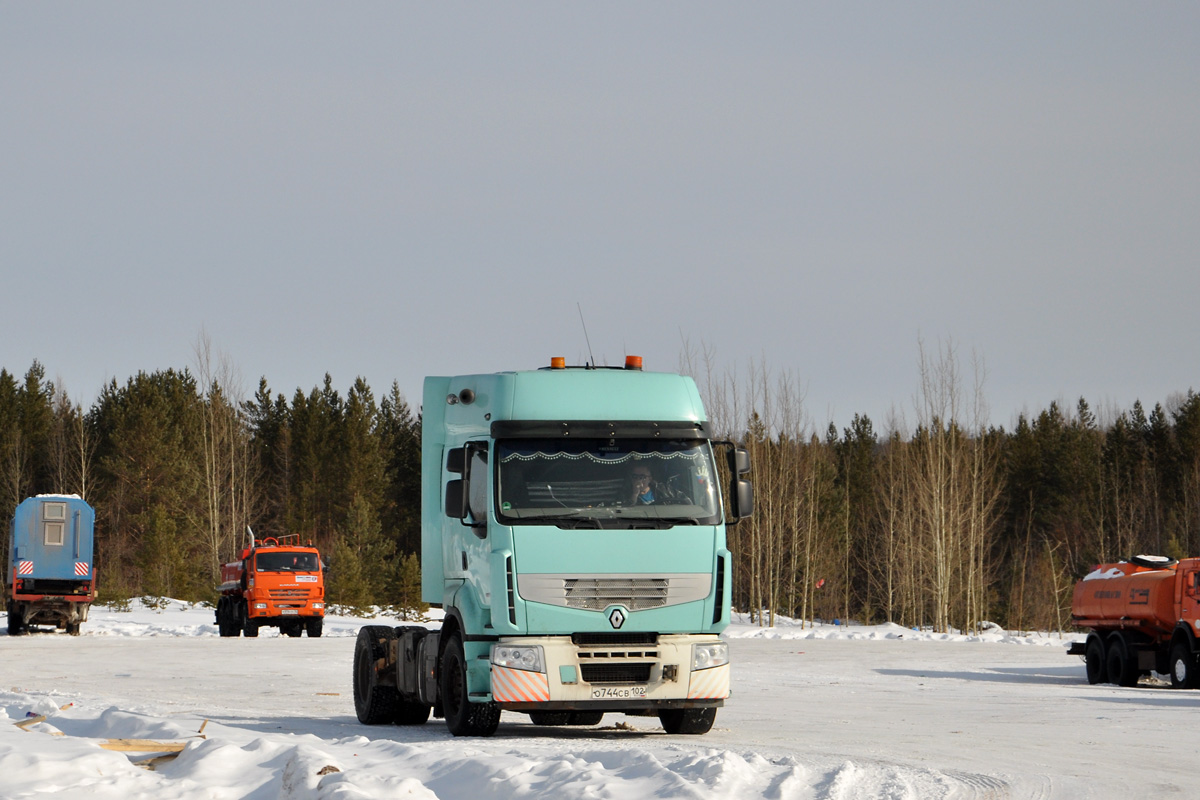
column 585, row 718
column 1097, row 672
column 550, row 717
column 313, row 625
column 374, row 704
column 15, row 628
column 1121, row 663
column 72, row 628
column 688, row 720
column 463, row 717
column 1183, row 666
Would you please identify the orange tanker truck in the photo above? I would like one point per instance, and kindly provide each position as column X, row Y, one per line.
column 1142, row 615
column 276, row 583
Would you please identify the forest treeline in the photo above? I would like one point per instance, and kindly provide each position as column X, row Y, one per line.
column 178, row 471
column 949, row 523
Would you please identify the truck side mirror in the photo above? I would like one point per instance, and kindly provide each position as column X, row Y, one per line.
column 455, row 460
column 744, row 492
column 741, row 492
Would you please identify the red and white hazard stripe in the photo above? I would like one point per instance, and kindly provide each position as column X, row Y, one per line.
column 519, row 686
column 82, row 568
column 709, row 684
column 25, row 568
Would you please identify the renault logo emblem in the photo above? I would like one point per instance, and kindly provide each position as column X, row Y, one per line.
column 616, row 618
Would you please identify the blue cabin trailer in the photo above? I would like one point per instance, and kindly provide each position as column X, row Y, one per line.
column 574, row 533
column 51, row 566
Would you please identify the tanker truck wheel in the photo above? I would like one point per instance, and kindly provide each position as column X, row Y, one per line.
column 1097, row 672
column 463, row 717
column 1183, row 666
column 1121, row 662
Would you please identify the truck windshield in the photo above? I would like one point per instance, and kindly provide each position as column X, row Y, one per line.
column 606, row 483
column 287, row 562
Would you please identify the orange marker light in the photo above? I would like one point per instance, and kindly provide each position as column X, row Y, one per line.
column 633, row 362
column 558, row 362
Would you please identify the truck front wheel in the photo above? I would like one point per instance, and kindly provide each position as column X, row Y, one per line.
column 313, row 625
column 688, row 720
column 463, row 717
column 1183, row 666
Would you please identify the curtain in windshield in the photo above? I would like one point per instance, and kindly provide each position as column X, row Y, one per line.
column 626, row 478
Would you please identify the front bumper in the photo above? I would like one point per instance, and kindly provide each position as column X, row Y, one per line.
column 611, row 677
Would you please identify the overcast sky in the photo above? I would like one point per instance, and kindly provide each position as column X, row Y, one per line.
column 391, row 190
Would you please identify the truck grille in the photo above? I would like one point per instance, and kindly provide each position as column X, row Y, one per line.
column 615, row 673
column 288, row 594
column 587, row 639
column 598, row 592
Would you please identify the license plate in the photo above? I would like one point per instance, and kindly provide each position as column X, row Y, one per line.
column 618, row 692
column 287, row 611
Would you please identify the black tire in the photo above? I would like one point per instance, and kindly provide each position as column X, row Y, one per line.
column 550, row 717
column 313, row 626
column 1097, row 669
column 1183, row 666
column 689, row 721
column 15, row 628
column 585, row 718
column 227, row 623
column 250, row 628
column 374, row 704
column 72, row 628
column 292, row 629
column 1120, row 662
column 463, row 717
column 411, row 713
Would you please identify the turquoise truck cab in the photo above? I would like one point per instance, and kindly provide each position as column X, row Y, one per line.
column 573, row 531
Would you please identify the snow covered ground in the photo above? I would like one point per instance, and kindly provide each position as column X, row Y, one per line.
column 826, row 712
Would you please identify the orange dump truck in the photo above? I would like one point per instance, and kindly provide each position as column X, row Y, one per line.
column 277, row 583
column 1142, row 615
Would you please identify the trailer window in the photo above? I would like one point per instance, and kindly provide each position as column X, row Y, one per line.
column 55, row 533
column 54, row 511
column 618, row 483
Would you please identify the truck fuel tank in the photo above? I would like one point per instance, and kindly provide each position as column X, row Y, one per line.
column 1128, row 595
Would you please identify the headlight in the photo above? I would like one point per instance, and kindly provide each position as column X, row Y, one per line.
column 526, row 657
column 318, row 605
column 705, row 656
column 260, row 605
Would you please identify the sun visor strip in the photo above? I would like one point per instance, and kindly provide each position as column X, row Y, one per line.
column 599, row 429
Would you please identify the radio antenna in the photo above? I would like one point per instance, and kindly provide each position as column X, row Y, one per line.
column 585, row 336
